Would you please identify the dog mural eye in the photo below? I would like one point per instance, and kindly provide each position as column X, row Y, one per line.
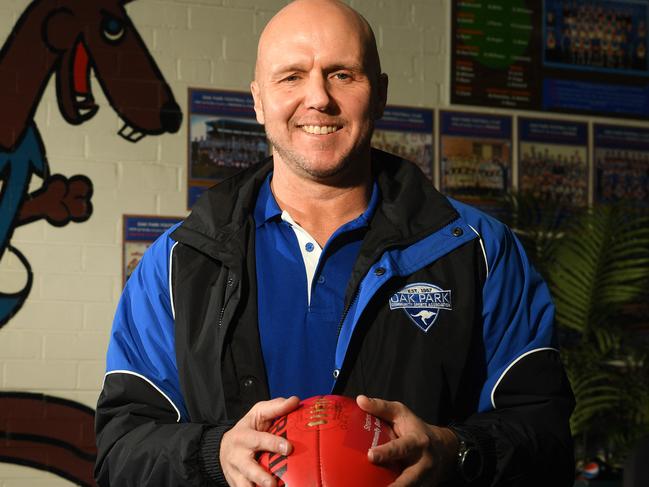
column 112, row 29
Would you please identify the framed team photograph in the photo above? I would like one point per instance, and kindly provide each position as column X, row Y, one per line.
column 600, row 35
column 475, row 157
column 621, row 165
column 553, row 160
column 139, row 232
column 407, row 132
column 224, row 137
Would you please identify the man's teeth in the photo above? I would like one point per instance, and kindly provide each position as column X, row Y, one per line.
column 320, row 129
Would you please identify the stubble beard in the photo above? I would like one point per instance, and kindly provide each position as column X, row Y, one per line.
column 310, row 168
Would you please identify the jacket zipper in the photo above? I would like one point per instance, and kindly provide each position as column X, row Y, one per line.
column 345, row 311
column 222, row 312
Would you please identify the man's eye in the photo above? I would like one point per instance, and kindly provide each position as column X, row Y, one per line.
column 293, row 77
column 342, row 76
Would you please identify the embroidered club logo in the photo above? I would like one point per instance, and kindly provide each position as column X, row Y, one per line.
column 422, row 303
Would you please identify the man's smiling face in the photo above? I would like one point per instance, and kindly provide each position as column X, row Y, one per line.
column 318, row 88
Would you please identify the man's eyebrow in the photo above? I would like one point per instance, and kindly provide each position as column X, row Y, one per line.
column 351, row 67
column 284, row 68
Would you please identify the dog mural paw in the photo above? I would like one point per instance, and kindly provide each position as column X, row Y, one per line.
column 59, row 201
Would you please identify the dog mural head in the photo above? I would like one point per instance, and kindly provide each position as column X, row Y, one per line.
column 99, row 35
column 70, row 39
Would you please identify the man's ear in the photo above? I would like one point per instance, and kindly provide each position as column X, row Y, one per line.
column 59, row 30
column 259, row 108
column 381, row 95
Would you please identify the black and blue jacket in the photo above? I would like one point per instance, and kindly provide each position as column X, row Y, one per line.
column 443, row 312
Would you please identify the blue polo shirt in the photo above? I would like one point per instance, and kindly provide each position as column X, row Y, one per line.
column 300, row 298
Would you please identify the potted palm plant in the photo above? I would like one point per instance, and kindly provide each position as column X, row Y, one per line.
column 596, row 262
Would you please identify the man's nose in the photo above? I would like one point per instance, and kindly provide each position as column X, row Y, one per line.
column 317, row 94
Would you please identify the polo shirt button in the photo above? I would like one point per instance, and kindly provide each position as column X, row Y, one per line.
column 336, row 373
column 248, row 382
column 309, row 247
column 379, row 271
column 321, row 280
column 457, row 232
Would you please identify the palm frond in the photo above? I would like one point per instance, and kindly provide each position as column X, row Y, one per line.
column 593, row 395
column 596, row 263
column 602, row 262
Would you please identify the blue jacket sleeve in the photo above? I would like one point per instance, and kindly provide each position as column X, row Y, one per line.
column 144, row 434
column 525, row 404
column 142, row 337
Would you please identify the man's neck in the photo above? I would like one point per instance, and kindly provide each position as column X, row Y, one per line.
column 318, row 207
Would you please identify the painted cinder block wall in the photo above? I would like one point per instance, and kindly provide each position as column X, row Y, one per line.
column 56, row 343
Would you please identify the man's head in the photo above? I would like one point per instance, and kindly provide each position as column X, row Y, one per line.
column 318, row 88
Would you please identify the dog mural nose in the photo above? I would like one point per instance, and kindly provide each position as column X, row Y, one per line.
column 171, row 117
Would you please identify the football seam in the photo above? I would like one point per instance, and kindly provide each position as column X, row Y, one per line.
column 321, row 483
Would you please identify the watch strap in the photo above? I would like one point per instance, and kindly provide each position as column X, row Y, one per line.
column 473, row 442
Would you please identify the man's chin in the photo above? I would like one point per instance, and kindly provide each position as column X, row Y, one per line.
column 326, row 166
column 316, row 166
column 326, row 169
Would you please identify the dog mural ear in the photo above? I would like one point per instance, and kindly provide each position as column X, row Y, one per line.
column 58, row 31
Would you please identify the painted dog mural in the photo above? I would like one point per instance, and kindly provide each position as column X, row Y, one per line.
column 68, row 40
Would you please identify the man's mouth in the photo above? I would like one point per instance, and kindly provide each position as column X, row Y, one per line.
column 320, row 129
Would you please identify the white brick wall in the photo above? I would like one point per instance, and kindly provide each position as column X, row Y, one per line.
column 17, row 476
column 56, row 343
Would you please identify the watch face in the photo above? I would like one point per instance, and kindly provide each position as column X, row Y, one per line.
column 471, row 464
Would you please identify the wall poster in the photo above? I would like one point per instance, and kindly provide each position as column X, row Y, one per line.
column 572, row 56
column 553, row 159
column 408, row 133
column 475, row 157
column 224, row 137
column 138, row 234
column 621, row 164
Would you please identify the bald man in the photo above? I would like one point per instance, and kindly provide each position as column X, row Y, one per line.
column 332, row 268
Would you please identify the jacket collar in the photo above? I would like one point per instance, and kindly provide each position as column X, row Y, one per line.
column 217, row 223
column 410, row 208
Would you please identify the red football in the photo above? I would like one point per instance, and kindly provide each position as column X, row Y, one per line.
column 330, row 437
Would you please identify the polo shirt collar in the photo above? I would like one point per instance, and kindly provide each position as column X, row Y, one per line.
column 266, row 207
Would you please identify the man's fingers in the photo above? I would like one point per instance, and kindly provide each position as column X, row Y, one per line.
column 249, row 436
column 260, row 441
column 409, row 477
column 397, row 450
column 250, row 474
column 266, row 411
column 257, row 474
column 387, row 410
column 235, row 479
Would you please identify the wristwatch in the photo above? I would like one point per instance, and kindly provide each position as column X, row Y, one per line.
column 470, row 462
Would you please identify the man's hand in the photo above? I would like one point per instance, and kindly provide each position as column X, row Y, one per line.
column 249, row 436
column 427, row 452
